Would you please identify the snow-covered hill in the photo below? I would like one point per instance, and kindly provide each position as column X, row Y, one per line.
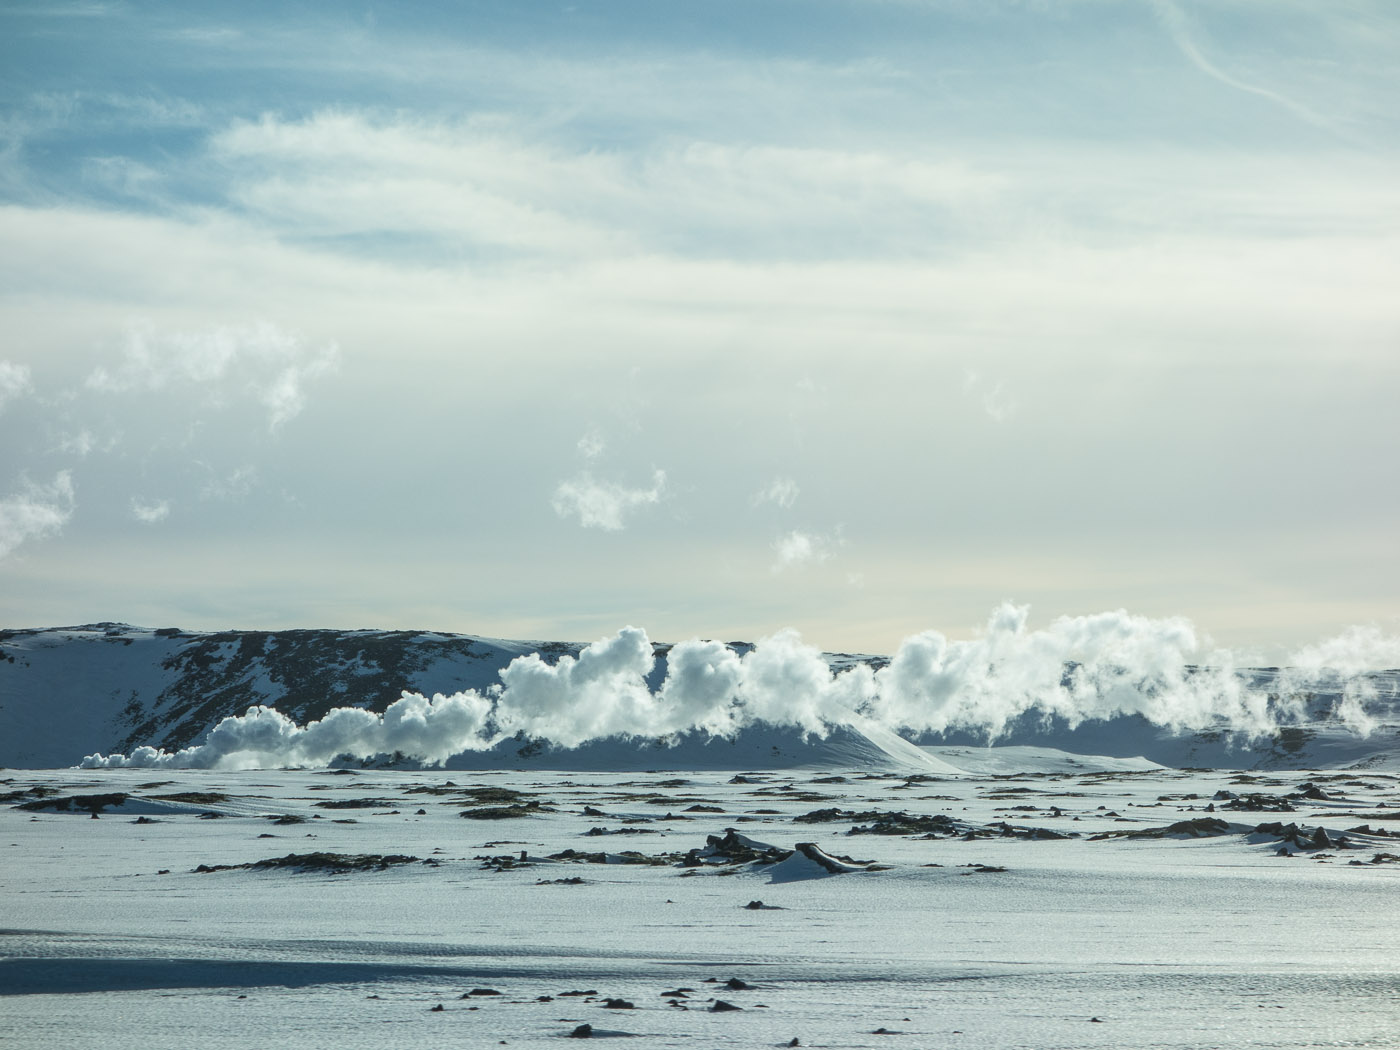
column 70, row 691
column 67, row 692
column 105, row 688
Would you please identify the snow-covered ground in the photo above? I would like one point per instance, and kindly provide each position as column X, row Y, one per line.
column 110, row 937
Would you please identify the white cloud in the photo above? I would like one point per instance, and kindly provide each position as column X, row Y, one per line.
column 285, row 396
column 344, row 173
column 591, row 445
column 262, row 359
column 1176, row 25
column 783, row 491
column 14, row 382
column 1078, row 669
column 233, row 488
column 35, row 511
column 797, row 548
column 996, row 401
column 998, row 404
column 604, row 504
column 152, row 512
column 80, row 444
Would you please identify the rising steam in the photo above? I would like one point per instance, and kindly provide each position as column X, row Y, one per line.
column 1077, row 669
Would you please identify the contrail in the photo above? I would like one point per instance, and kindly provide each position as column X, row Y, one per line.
column 1176, row 25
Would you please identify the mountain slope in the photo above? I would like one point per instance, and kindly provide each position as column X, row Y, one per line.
column 102, row 688
column 68, row 692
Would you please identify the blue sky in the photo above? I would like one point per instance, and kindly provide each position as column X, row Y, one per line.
column 537, row 320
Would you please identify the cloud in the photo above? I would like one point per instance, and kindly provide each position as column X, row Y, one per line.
column 234, row 487
column 285, row 396
column 602, row 693
column 490, row 185
column 1354, row 650
column 996, row 402
column 339, row 173
column 604, row 504
column 796, row 548
column 150, row 513
column 1337, row 664
column 591, row 445
column 14, row 382
column 1079, row 668
column 1171, row 17
column 431, row 730
column 271, row 364
column 782, row 491
column 36, row 511
column 80, row 444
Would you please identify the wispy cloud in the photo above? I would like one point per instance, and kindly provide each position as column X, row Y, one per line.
column 604, row 504
column 996, row 401
column 80, row 443
column 1176, row 24
column 798, row 548
column 232, row 487
column 342, row 174
column 591, row 445
column 782, row 490
column 14, row 382
column 150, row 512
column 36, row 511
column 272, row 364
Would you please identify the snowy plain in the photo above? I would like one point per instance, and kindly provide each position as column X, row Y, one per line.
column 973, row 928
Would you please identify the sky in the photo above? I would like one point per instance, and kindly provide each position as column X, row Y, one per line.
column 860, row 317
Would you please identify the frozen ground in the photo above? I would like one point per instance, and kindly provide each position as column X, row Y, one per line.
column 111, row 938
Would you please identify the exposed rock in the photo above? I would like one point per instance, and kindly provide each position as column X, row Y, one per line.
column 323, row 863
column 352, row 803
column 1254, row 803
column 499, row 812
column 835, row 865
column 93, row 804
column 1317, row 838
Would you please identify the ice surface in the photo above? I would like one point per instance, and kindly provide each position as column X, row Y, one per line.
column 988, row 936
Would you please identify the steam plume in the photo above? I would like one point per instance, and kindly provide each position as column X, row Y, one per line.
column 431, row 730
column 1077, row 669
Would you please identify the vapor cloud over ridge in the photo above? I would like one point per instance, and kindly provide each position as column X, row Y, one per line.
column 1078, row 668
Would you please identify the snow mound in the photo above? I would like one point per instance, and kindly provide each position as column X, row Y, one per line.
column 860, row 744
column 1027, row 758
column 810, row 861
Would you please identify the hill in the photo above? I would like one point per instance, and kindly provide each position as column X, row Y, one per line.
column 107, row 688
